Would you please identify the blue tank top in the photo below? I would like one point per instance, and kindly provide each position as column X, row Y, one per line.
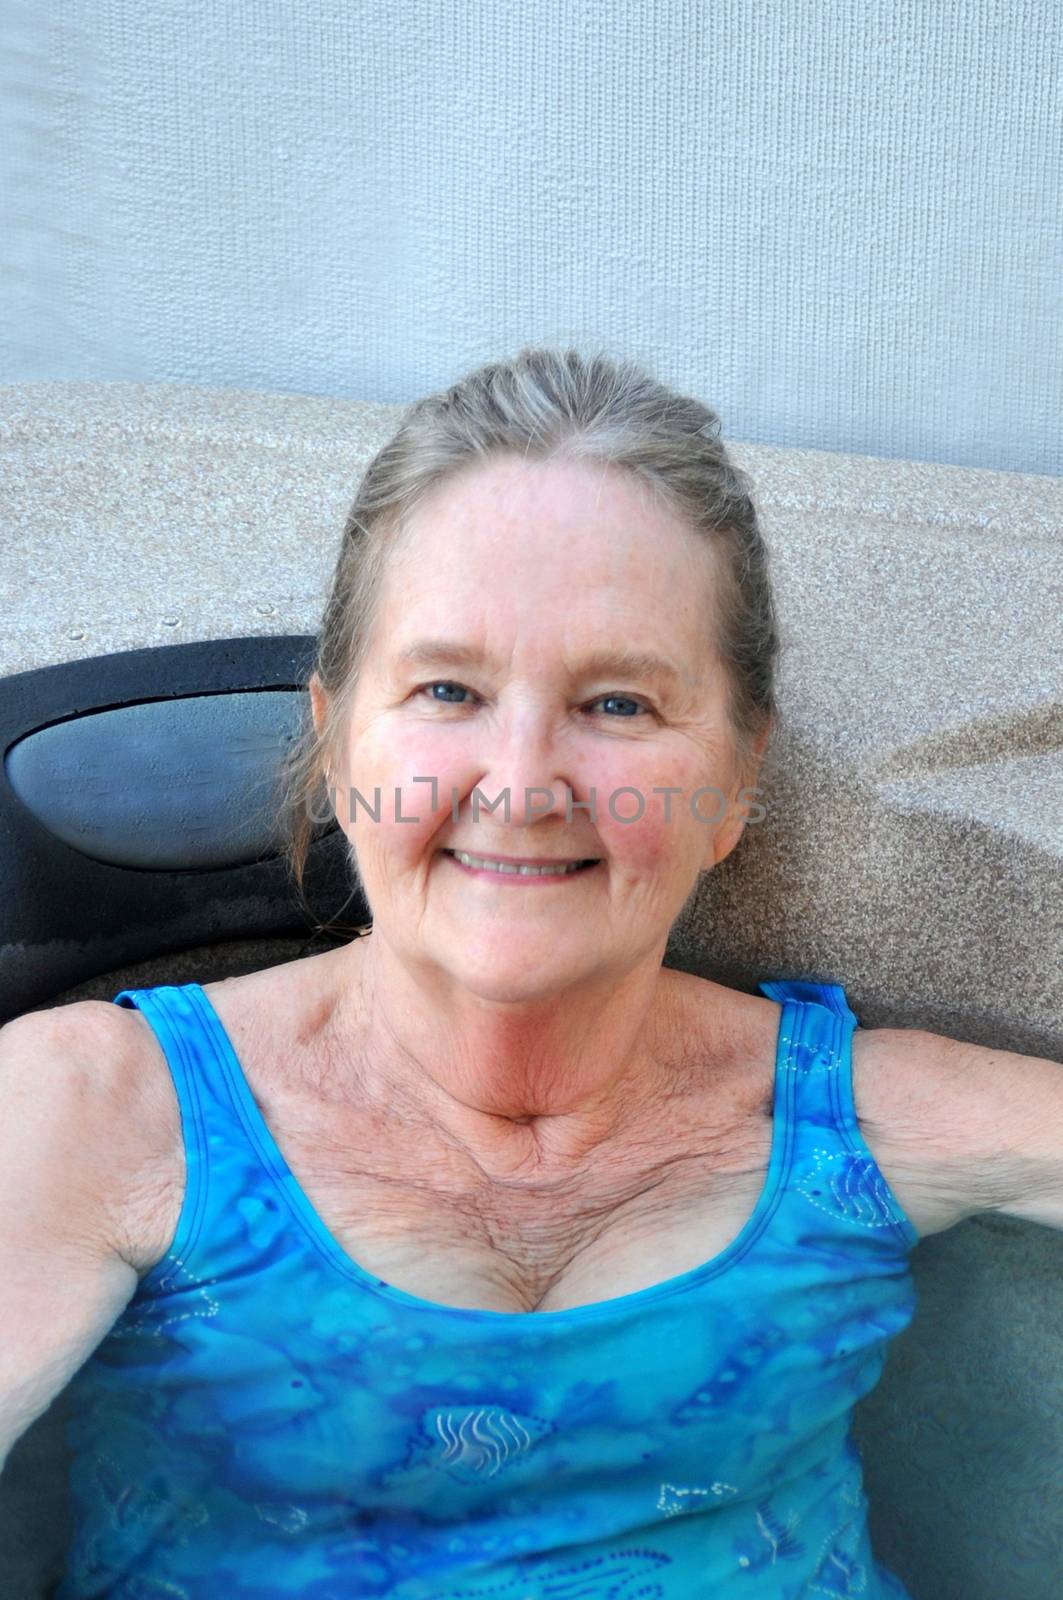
column 267, row 1418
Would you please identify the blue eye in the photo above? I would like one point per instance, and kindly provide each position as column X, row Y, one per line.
column 445, row 683
column 623, row 698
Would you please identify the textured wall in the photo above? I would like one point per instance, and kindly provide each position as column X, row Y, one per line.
column 837, row 220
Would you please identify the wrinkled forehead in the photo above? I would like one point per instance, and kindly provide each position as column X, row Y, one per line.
column 550, row 547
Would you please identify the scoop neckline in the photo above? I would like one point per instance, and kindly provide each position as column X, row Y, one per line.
column 616, row 1305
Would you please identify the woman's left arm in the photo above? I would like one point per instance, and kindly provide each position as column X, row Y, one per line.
column 996, row 1119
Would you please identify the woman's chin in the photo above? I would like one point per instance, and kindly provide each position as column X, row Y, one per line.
column 514, row 969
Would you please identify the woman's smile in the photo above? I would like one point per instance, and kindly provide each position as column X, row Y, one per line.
column 505, row 871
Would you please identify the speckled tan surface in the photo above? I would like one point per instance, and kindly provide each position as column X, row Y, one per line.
column 913, row 842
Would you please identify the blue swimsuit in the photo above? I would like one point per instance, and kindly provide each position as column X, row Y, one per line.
column 266, row 1418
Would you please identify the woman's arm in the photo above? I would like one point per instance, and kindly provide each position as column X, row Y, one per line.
column 992, row 1119
column 67, row 1138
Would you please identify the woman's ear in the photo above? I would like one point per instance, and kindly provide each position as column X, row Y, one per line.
column 318, row 702
column 723, row 838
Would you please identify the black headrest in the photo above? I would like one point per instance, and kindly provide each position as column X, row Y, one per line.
column 138, row 810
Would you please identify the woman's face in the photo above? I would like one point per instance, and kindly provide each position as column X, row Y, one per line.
column 524, row 572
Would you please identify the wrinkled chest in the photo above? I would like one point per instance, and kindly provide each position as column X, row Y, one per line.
column 493, row 1250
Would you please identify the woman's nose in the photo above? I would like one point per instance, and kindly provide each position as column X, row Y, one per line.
column 527, row 766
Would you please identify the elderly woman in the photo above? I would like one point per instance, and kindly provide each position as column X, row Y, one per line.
column 485, row 1255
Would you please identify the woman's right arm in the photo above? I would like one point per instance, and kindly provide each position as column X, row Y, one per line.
column 68, row 1153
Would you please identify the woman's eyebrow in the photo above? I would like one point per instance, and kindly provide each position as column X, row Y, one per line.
column 628, row 663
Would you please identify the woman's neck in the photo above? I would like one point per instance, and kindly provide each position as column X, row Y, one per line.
column 524, row 1089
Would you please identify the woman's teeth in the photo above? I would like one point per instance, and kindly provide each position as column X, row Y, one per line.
column 509, row 866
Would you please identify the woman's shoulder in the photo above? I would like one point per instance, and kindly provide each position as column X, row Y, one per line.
column 94, row 1039
column 737, row 1017
column 103, row 1056
column 90, row 1062
column 274, row 1013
